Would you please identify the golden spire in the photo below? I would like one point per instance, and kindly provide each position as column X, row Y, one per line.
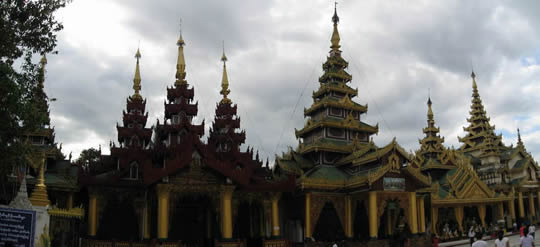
column 181, row 63
column 39, row 196
column 473, row 75
column 224, row 80
column 137, row 77
column 429, row 112
column 335, row 35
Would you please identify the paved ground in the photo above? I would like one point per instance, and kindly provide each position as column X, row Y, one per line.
column 514, row 241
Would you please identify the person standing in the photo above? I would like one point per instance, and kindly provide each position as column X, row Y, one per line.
column 471, row 235
column 532, row 230
column 479, row 242
column 501, row 240
column 526, row 240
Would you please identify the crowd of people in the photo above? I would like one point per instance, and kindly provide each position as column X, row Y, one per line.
column 477, row 235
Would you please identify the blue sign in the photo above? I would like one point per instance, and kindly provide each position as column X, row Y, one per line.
column 17, row 226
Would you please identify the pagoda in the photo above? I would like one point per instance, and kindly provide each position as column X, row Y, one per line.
column 134, row 137
column 480, row 140
column 342, row 173
column 431, row 150
column 178, row 134
column 52, row 179
column 334, row 119
column 455, row 183
column 223, row 135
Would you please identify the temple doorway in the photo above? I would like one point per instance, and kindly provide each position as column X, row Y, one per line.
column 392, row 222
column 470, row 217
column 119, row 220
column 328, row 227
column 193, row 222
column 360, row 228
column 249, row 223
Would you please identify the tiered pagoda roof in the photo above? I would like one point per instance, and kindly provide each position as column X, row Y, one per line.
column 177, row 154
column 431, row 146
column 480, row 138
column 130, row 158
column 336, row 152
column 224, row 135
column 333, row 118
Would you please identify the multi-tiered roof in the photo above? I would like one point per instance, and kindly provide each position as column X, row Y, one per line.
column 480, row 140
column 224, row 136
column 134, row 137
column 333, row 118
column 177, row 154
column 431, row 151
column 336, row 152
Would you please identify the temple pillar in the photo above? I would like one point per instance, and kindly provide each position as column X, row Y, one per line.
column 434, row 216
column 70, row 200
column 92, row 214
column 226, row 198
column 348, row 217
column 520, row 205
column 500, row 211
column 275, row 215
column 482, row 213
column 538, row 198
column 307, row 225
column 458, row 211
column 532, row 210
column 372, row 214
column 512, row 209
column 163, row 211
column 413, row 221
column 421, row 215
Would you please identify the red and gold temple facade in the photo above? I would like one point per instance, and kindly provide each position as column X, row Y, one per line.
column 164, row 183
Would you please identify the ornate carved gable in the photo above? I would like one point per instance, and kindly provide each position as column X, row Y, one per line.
column 476, row 191
column 196, row 174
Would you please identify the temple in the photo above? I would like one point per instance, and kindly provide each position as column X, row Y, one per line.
column 51, row 179
column 165, row 183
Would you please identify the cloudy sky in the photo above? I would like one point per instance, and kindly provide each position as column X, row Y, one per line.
column 397, row 50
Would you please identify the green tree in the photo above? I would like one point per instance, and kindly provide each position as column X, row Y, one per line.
column 89, row 158
column 27, row 28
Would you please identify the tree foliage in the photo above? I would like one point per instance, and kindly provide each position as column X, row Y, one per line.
column 27, row 28
column 88, row 158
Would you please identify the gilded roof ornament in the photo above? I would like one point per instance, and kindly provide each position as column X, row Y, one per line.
column 520, row 142
column 137, row 77
column 224, row 79
column 335, row 34
column 181, row 63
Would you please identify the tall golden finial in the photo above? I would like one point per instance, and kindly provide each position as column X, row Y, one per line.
column 137, row 77
column 473, row 76
column 181, row 63
column 335, row 34
column 430, row 111
column 224, row 79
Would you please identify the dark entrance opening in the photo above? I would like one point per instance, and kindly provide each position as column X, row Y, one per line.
column 328, row 227
column 247, row 224
column 360, row 225
column 119, row 221
column 193, row 221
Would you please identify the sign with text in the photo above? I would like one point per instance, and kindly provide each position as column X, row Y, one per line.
column 17, row 226
column 394, row 184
